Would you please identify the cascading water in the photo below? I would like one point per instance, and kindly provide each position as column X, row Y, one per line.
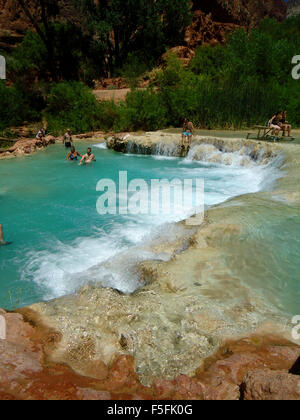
column 66, row 244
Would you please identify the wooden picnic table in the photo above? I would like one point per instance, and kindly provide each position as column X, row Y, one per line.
column 265, row 133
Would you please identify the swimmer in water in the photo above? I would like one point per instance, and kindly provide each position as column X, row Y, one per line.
column 88, row 157
column 2, row 241
column 73, row 155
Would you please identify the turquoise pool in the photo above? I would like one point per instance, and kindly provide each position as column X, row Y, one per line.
column 60, row 242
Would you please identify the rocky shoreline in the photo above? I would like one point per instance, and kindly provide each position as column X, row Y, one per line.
column 25, row 146
column 255, row 368
column 195, row 330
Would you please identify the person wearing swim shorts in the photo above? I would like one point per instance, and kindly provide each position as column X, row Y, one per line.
column 187, row 132
column 89, row 157
column 67, row 140
column 73, row 154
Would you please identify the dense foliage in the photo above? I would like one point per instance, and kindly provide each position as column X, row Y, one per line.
column 236, row 85
column 18, row 105
column 228, row 86
column 71, row 105
column 143, row 28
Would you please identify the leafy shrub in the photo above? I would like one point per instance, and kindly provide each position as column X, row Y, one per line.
column 142, row 110
column 18, row 105
column 71, row 105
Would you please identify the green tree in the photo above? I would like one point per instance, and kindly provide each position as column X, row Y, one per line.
column 124, row 26
column 40, row 13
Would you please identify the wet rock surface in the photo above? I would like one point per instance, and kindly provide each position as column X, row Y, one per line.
column 24, row 145
column 27, row 146
column 167, row 144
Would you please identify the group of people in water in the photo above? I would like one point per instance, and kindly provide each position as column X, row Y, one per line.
column 279, row 123
column 74, row 155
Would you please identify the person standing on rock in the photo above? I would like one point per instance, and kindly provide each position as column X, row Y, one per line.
column 68, row 141
column 187, row 132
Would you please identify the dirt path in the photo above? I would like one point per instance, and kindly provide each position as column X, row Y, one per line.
column 116, row 95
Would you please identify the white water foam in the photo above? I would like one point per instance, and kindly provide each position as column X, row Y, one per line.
column 102, row 146
column 111, row 259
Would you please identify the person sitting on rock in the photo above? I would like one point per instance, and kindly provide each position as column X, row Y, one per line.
column 67, row 140
column 41, row 136
column 188, row 132
column 88, row 157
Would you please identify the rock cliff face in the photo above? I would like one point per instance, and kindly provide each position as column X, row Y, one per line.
column 13, row 23
column 212, row 18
